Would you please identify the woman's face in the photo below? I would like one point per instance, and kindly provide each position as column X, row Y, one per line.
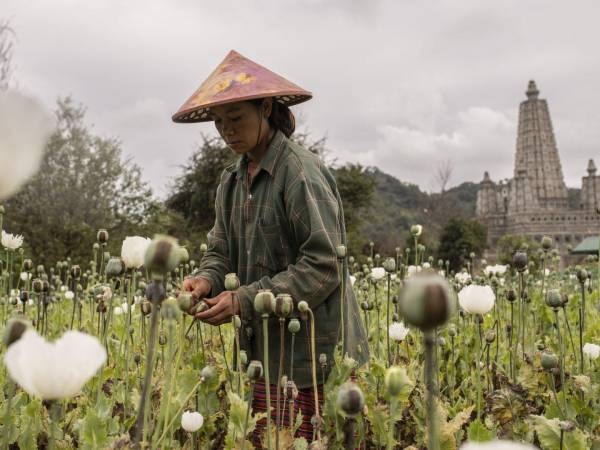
column 238, row 124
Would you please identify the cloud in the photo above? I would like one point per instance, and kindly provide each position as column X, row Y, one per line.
column 388, row 77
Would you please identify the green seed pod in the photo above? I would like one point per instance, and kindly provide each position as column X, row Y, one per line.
column 170, row 309
column 27, row 265
column 323, row 359
column 511, row 295
column 547, row 243
column 554, row 298
column 102, row 236
column 243, row 357
column 284, row 305
column 350, row 399
column 255, row 370
column 395, row 380
column 15, row 327
column 146, row 307
column 389, row 265
column 115, row 267
column 208, row 373
column 37, row 285
column 203, row 248
column 264, row 302
column 549, row 360
column 237, row 322
column 441, row 342
column 96, row 247
column 416, row 230
column 184, row 255
column 303, row 307
column 185, row 301
column 163, row 254
column 75, row 271
column 232, row 282
column 340, row 251
column 490, row 336
column 520, row 261
column 582, row 275
column 426, row 302
column 40, row 269
column 294, row 326
column 452, row 330
column 201, row 306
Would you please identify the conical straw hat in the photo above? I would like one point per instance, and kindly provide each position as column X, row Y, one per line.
column 236, row 79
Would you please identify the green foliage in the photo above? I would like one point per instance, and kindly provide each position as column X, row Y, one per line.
column 509, row 244
column 459, row 238
column 83, row 184
column 548, row 432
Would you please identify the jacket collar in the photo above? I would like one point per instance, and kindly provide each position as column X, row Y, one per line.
column 269, row 159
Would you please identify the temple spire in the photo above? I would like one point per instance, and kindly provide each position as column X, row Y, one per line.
column 591, row 168
column 532, row 91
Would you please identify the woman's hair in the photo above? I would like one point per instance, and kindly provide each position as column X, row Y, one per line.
column 281, row 117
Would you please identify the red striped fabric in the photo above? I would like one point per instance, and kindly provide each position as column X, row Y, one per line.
column 304, row 404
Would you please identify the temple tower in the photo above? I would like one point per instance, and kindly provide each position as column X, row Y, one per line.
column 590, row 188
column 537, row 157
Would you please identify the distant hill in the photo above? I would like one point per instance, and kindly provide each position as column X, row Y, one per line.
column 397, row 205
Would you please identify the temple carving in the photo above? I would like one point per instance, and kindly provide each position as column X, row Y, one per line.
column 535, row 202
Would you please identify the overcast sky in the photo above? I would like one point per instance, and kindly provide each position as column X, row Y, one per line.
column 402, row 85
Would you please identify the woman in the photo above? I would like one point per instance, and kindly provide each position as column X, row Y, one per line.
column 279, row 221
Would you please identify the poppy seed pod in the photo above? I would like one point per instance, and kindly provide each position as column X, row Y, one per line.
column 232, row 282
column 184, row 255
column 162, row 339
column 350, row 399
column 294, row 326
column 389, row 265
column 243, row 357
column 490, row 336
column 520, row 261
column 24, row 296
column 146, row 307
column 75, row 271
column 547, row 243
column 554, row 299
column 284, row 305
column 203, row 248
column 303, row 307
column 549, row 360
column 237, row 322
column 162, row 254
column 201, row 306
column 115, row 267
column 291, row 390
column 340, row 251
column 255, row 370
column 185, row 301
column 511, row 295
column 582, row 275
column 425, row 301
column 27, row 265
column 323, row 359
column 452, row 330
column 208, row 373
column 395, row 380
column 37, row 285
column 102, row 236
column 155, row 292
column 15, row 327
column 264, row 302
column 416, row 230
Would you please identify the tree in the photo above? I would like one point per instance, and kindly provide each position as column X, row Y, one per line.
column 459, row 238
column 443, row 174
column 83, row 184
column 193, row 192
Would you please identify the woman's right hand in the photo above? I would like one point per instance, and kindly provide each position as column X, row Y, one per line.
column 199, row 287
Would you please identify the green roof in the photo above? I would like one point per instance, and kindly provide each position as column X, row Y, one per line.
column 589, row 246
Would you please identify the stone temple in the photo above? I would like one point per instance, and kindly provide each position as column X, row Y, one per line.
column 536, row 201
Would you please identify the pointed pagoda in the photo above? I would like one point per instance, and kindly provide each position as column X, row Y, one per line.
column 537, row 155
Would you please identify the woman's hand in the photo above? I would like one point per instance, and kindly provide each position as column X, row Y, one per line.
column 222, row 308
column 198, row 286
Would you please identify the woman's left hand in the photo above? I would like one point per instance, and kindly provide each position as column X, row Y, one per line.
column 222, row 308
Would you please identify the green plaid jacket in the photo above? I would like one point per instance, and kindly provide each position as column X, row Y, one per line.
column 281, row 233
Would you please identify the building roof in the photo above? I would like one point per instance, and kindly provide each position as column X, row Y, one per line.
column 589, row 246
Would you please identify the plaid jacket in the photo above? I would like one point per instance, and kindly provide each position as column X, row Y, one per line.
column 281, row 233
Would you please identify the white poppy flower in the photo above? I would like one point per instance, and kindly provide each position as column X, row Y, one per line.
column 398, row 331
column 133, row 251
column 64, row 288
column 69, row 295
column 24, row 129
column 411, row 270
column 462, row 277
column 11, row 241
column 54, row 370
column 25, row 276
column 377, row 273
column 496, row 445
column 191, row 421
column 546, row 272
column 426, row 265
column 352, row 280
column 118, row 311
column 592, row 351
column 497, row 269
column 476, row 299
